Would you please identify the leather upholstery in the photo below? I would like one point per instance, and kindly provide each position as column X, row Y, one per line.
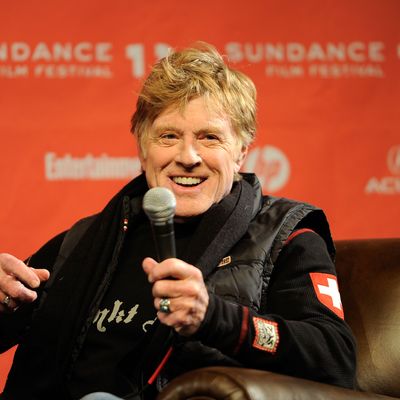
column 369, row 280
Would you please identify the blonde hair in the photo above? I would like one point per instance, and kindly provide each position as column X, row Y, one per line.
column 195, row 72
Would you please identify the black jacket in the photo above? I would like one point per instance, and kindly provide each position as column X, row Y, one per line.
column 257, row 285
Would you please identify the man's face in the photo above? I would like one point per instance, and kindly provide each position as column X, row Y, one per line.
column 195, row 153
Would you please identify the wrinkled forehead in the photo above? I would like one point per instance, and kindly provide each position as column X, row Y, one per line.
column 210, row 103
column 196, row 110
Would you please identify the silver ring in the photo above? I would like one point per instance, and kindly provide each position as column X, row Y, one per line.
column 164, row 306
column 6, row 300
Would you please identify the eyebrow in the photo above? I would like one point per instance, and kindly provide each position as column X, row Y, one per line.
column 166, row 128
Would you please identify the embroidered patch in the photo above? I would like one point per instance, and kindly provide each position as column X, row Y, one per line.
column 327, row 291
column 225, row 261
column 267, row 335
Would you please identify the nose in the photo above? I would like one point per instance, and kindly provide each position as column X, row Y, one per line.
column 188, row 155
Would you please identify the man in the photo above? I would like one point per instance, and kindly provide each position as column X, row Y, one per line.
column 246, row 289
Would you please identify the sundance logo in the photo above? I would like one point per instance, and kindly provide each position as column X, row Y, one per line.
column 56, row 60
column 387, row 184
column 271, row 166
column 361, row 59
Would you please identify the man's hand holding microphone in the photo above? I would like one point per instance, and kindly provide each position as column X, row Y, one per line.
column 179, row 290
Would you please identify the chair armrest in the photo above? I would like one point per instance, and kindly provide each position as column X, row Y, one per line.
column 229, row 383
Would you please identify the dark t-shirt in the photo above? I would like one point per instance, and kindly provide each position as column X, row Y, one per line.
column 125, row 317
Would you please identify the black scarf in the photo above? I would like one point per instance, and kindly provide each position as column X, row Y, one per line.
column 219, row 230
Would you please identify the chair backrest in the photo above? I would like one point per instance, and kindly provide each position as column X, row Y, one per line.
column 369, row 280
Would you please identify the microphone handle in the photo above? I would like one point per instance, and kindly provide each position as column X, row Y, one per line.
column 164, row 240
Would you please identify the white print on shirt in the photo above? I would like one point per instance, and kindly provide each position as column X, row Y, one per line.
column 149, row 322
column 117, row 316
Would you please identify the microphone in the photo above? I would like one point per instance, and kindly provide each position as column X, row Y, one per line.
column 159, row 204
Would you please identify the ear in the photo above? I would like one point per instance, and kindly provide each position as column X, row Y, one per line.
column 241, row 157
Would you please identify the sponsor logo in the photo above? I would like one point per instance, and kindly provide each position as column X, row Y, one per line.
column 327, row 291
column 390, row 184
column 393, row 160
column 321, row 60
column 56, row 60
column 89, row 167
column 271, row 166
column 267, row 335
column 62, row 60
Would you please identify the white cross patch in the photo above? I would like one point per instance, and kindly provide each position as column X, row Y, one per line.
column 332, row 290
column 327, row 291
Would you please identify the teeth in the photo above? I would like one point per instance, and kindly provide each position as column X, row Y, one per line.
column 186, row 181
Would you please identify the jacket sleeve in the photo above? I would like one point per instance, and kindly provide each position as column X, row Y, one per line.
column 13, row 326
column 303, row 332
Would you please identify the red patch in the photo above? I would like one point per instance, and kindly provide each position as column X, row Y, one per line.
column 243, row 330
column 327, row 291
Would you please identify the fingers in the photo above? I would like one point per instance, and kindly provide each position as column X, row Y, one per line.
column 170, row 268
column 178, row 304
column 42, row 274
column 174, row 288
column 13, row 266
column 148, row 265
column 185, row 314
column 8, row 304
column 173, row 278
column 18, row 281
column 183, row 286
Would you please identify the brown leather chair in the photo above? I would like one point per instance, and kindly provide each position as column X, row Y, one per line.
column 369, row 280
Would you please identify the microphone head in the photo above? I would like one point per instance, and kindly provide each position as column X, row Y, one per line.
column 159, row 204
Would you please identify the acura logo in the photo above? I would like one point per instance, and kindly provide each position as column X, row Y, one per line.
column 393, row 159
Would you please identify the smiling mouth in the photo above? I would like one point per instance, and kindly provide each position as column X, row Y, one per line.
column 187, row 180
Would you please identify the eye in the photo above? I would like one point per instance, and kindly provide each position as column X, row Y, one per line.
column 210, row 137
column 168, row 137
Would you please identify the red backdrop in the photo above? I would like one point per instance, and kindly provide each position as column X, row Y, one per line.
column 329, row 93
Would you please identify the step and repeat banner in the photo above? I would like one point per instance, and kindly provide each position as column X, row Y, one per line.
column 328, row 84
